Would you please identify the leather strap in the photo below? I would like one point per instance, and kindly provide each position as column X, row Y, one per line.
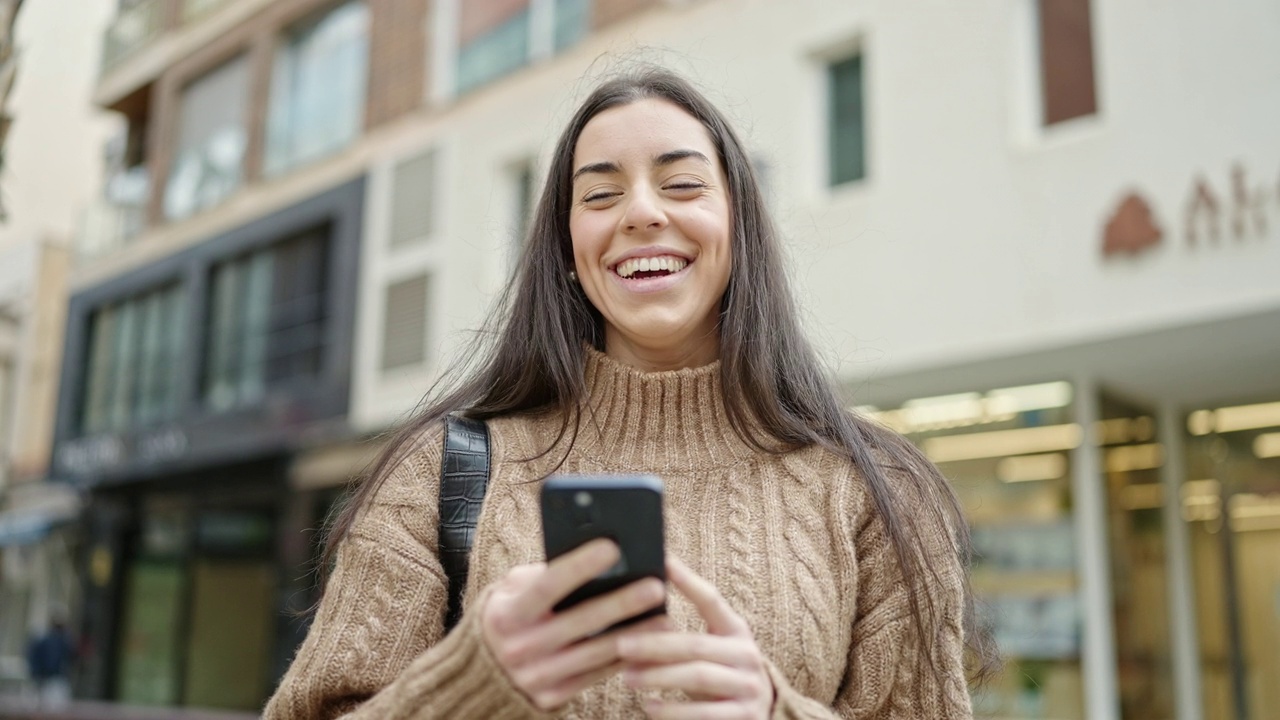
column 464, row 478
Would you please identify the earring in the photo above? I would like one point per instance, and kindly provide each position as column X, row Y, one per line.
column 573, row 276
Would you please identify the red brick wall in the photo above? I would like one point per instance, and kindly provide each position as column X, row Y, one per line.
column 607, row 12
column 397, row 58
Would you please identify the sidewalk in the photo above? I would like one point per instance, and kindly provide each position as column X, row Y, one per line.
column 16, row 708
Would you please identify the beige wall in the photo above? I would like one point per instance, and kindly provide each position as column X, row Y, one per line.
column 53, row 155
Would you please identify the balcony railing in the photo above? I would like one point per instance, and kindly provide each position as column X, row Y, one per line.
column 114, row 221
column 131, row 30
column 193, row 10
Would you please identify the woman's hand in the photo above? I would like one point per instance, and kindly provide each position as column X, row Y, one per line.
column 722, row 671
column 553, row 656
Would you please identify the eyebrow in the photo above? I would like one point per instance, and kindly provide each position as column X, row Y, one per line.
column 665, row 158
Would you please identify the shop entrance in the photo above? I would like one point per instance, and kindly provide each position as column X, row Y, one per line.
column 1231, row 500
column 198, row 620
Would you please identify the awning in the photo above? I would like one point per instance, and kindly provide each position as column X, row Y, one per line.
column 24, row 528
column 36, row 508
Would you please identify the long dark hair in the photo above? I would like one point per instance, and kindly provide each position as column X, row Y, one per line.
column 532, row 356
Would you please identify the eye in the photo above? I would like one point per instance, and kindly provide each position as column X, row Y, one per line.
column 685, row 186
column 599, row 195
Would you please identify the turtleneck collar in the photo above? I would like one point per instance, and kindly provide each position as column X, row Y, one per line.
column 672, row 420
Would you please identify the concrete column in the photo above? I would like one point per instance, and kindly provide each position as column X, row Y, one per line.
column 1102, row 696
column 442, row 69
column 1187, row 691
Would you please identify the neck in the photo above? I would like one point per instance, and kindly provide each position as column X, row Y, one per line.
column 635, row 420
column 698, row 351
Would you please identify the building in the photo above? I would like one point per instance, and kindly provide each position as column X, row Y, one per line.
column 1040, row 237
column 51, row 167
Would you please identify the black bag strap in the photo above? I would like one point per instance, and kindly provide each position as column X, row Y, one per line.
column 464, row 477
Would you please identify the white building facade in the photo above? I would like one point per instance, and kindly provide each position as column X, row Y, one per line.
column 1052, row 257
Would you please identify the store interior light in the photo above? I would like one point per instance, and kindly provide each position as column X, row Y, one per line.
column 1145, row 496
column 1002, row 443
column 1201, row 500
column 1024, row 398
column 1200, row 422
column 945, row 412
column 1134, row 457
column 1030, row 468
column 1234, row 419
column 1267, row 445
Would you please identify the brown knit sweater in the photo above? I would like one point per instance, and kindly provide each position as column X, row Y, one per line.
column 791, row 541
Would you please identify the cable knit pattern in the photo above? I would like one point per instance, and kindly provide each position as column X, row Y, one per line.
column 792, row 542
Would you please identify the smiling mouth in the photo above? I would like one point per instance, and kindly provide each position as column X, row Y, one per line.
column 650, row 267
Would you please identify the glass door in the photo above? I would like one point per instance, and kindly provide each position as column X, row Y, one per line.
column 1231, row 500
column 1131, row 472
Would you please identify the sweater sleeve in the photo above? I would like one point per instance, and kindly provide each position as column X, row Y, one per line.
column 377, row 648
column 885, row 677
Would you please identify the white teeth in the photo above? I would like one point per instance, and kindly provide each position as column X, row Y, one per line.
column 628, row 268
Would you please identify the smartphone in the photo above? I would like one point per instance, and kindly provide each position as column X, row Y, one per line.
column 626, row 509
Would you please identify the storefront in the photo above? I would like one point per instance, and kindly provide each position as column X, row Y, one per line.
column 1124, row 497
column 191, row 388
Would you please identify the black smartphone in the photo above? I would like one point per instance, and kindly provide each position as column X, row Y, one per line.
column 626, row 509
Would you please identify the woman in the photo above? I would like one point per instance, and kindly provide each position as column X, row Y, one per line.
column 649, row 329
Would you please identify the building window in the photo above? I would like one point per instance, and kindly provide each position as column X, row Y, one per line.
column 524, row 189
column 404, row 325
column 1066, row 60
column 135, row 348
column 573, row 20
column 499, row 37
column 267, row 320
column 318, row 88
column 413, row 203
column 209, row 156
column 848, row 155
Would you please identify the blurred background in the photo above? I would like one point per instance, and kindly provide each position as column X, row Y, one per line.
column 241, row 238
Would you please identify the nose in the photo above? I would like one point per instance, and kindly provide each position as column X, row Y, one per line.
column 644, row 212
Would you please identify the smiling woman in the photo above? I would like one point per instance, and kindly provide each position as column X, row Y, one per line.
column 647, row 198
column 817, row 561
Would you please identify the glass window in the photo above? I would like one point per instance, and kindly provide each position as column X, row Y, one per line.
column 266, row 320
column 573, row 20
column 498, row 37
column 318, row 88
column 847, row 127
column 493, row 41
column 209, row 156
column 524, row 188
column 131, row 369
column 1007, row 453
column 1066, row 60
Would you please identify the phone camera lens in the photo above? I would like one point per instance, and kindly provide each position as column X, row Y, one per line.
column 582, row 498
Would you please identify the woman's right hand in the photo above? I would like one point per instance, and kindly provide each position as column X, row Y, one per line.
column 553, row 656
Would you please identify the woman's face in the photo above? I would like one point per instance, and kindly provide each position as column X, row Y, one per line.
column 651, row 233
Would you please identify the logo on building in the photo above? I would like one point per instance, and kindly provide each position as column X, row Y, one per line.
column 1209, row 218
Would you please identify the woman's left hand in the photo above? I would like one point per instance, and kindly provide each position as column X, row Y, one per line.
column 722, row 671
